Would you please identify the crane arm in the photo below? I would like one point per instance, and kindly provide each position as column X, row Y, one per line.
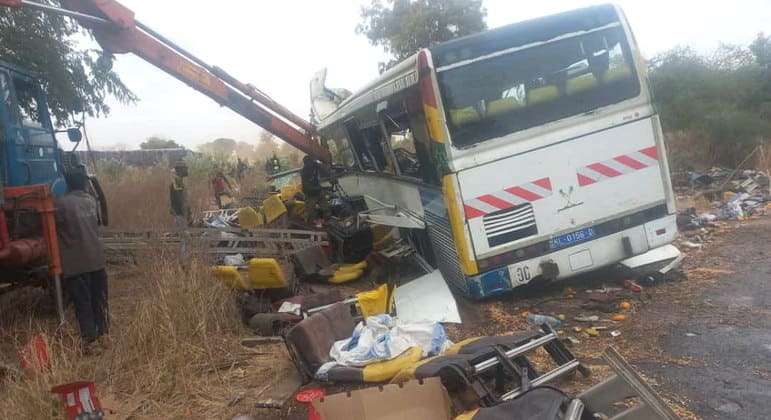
column 118, row 32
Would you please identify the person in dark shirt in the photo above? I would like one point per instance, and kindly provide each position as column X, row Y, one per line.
column 178, row 197
column 83, row 260
column 311, row 185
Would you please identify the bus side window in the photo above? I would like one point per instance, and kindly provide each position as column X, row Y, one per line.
column 340, row 149
column 359, row 145
column 377, row 149
column 410, row 152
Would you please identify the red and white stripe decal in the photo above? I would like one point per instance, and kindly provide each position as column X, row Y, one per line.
column 507, row 198
column 618, row 166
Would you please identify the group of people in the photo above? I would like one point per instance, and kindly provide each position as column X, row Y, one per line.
column 83, row 256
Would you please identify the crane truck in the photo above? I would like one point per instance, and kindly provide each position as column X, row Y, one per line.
column 33, row 164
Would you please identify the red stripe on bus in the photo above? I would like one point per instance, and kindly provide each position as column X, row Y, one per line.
column 471, row 212
column 495, row 201
column 584, row 180
column 630, row 162
column 523, row 193
column 652, row 152
column 544, row 183
column 604, row 169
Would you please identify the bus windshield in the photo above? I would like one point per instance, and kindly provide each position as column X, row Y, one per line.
column 515, row 90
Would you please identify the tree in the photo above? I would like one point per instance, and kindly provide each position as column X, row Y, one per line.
column 155, row 142
column 76, row 79
column 221, row 147
column 723, row 98
column 402, row 27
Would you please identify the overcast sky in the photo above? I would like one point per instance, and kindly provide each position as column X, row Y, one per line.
column 277, row 45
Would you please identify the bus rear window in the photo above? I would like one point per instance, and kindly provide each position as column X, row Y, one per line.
column 514, row 91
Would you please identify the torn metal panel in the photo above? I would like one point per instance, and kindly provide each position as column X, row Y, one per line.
column 426, row 298
column 667, row 257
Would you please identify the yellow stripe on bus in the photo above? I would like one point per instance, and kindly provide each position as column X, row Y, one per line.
column 434, row 123
column 467, row 263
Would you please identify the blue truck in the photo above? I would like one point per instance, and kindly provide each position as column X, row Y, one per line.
column 32, row 170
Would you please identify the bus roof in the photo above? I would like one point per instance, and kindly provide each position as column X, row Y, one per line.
column 522, row 33
column 472, row 46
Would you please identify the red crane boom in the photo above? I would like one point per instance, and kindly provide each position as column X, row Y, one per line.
column 118, row 32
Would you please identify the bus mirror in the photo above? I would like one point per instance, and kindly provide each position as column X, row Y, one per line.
column 74, row 135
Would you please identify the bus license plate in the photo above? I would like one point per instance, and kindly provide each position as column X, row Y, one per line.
column 572, row 238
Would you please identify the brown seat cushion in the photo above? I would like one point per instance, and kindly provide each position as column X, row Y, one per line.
column 312, row 338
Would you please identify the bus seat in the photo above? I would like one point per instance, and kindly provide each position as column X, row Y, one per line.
column 617, row 73
column 266, row 273
column 463, row 116
column 580, row 84
column 542, row 94
column 503, row 106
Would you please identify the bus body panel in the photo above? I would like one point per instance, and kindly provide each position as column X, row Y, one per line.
column 582, row 181
column 575, row 260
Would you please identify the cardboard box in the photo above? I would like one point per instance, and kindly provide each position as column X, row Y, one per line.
column 425, row 400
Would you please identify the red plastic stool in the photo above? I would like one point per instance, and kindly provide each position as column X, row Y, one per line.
column 34, row 355
column 80, row 401
column 306, row 397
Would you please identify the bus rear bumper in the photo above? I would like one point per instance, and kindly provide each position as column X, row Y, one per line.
column 577, row 259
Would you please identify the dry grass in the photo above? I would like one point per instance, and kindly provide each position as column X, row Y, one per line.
column 138, row 198
column 175, row 349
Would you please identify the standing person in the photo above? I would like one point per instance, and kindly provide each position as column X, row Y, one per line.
column 178, row 196
column 221, row 187
column 241, row 168
column 179, row 206
column 83, row 261
column 311, row 184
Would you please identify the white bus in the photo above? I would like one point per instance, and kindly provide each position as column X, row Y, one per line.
column 531, row 151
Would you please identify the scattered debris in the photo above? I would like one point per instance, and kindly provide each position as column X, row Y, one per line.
column 615, row 333
column 592, row 332
column 586, row 318
column 618, row 318
column 536, row 319
column 633, row 286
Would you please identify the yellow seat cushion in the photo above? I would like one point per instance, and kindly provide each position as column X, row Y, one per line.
column 230, row 276
column 249, row 218
column 503, row 106
column 463, row 116
column 273, row 208
column 581, row 83
column 542, row 94
column 385, row 370
column 266, row 273
column 373, row 302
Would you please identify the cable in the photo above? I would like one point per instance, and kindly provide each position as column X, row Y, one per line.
column 90, row 152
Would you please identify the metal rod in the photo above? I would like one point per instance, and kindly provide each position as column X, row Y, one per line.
column 538, row 342
column 187, row 54
column 59, row 297
column 66, row 12
column 320, row 308
column 549, row 376
column 575, row 410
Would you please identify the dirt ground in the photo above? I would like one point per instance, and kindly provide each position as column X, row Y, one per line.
column 703, row 339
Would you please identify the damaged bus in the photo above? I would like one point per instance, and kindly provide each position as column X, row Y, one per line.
column 524, row 153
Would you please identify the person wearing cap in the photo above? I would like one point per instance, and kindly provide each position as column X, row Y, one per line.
column 82, row 258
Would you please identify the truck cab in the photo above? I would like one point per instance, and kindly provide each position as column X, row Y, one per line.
column 29, row 153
